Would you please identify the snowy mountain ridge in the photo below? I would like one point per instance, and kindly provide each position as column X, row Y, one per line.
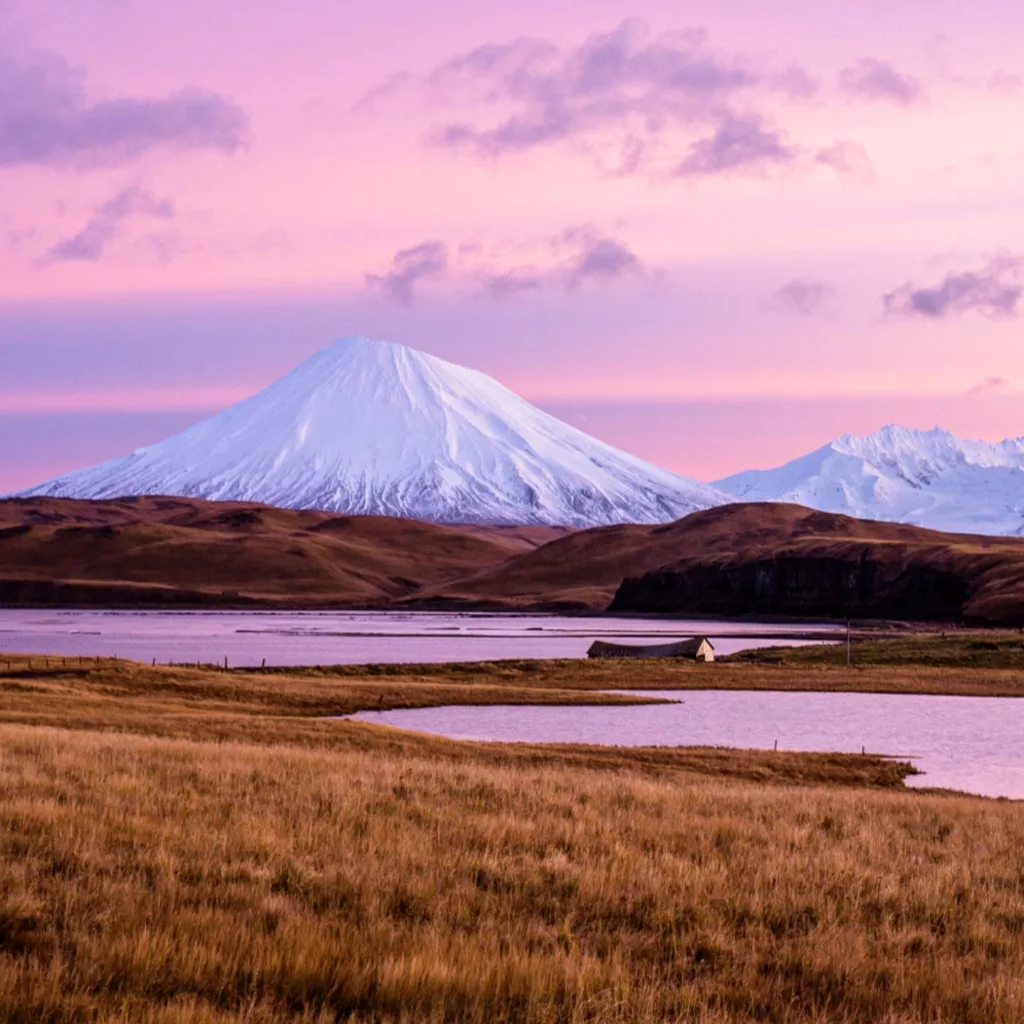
column 375, row 428
column 926, row 477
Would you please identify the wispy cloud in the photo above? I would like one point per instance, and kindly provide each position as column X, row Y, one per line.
column 627, row 82
column 665, row 105
column 47, row 118
column 107, row 222
column 874, row 79
column 582, row 257
column 426, row 261
column 1005, row 83
column 574, row 259
column 848, row 158
column 994, row 290
column 989, row 386
column 802, row 296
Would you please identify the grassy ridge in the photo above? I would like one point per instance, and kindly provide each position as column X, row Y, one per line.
column 201, row 847
column 991, row 649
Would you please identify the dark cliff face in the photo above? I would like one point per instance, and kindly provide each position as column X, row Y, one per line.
column 813, row 586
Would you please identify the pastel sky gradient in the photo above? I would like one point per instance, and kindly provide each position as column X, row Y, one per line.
column 716, row 232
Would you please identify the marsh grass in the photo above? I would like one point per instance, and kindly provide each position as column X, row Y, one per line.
column 182, row 847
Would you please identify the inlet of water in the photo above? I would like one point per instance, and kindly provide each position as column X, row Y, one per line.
column 974, row 744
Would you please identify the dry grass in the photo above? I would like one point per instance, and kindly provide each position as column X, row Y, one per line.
column 170, row 880
column 247, row 862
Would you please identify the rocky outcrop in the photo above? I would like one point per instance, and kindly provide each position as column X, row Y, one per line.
column 852, row 585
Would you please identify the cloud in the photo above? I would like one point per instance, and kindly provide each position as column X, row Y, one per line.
column 873, row 79
column 583, row 257
column 106, row 223
column 574, row 259
column 849, row 158
column 626, row 83
column 507, row 284
column 738, row 144
column 1004, row 83
column 47, row 119
column 803, row 296
column 989, row 386
column 600, row 259
column 409, row 267
column 994, row 290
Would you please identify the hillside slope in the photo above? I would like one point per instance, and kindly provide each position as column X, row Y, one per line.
column 759, row 559
column 178, row 551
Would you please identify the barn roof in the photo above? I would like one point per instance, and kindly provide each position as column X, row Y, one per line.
column 678, row 648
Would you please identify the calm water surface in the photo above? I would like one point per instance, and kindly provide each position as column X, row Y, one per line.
column 974, row 744
column 341, row 638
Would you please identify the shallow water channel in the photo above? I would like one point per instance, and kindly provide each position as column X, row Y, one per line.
column 974, row 744
column 349, row 638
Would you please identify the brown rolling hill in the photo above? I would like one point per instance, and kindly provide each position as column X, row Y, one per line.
column 763, row 559
column 156, row 551
column 739, row 560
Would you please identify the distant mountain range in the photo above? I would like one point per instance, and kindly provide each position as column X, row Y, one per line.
column 373, row 428
column 927, row 478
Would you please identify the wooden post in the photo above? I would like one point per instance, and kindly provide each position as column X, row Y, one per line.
column 848, row 653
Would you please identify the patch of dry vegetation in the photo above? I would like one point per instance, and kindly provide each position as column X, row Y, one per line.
column 199, row 846
column 959, row 649
column 173, row 880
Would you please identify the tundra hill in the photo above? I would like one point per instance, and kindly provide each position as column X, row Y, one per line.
column 759, row 559
column 158, row 551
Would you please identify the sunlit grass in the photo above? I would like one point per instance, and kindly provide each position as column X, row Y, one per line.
column 187, row 846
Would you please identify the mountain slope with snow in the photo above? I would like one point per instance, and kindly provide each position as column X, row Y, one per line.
column 367, row 427
column 928, row 478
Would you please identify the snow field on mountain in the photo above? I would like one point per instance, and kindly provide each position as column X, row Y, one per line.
column 928, row 478
column 367, row 427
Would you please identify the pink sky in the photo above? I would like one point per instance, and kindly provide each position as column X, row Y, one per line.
column 630, row 208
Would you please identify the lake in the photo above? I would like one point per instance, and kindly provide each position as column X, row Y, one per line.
column 974, row 744
column 347, row 638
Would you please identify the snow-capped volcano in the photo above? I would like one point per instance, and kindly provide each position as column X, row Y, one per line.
column 928, row 478
column 369, row 427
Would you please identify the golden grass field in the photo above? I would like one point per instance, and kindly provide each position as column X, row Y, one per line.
column 193, row 845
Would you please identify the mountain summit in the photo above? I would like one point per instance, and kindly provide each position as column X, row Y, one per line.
column 926, row 477
column 374, row 428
